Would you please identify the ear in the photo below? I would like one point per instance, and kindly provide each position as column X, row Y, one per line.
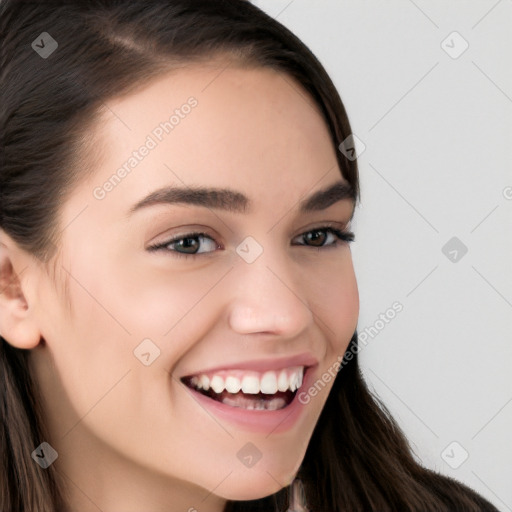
column 17, row 325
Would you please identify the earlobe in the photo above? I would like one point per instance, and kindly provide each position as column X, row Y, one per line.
column 16, row 322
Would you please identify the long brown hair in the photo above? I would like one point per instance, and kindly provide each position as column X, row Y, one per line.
column 358, row 459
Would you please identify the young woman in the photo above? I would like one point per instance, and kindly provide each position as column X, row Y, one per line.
column 178, row 302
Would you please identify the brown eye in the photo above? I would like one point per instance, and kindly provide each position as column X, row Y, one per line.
column 316, row 238
column 190, row 245
column 186, row 245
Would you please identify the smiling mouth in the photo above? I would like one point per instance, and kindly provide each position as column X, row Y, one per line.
column 268, row 391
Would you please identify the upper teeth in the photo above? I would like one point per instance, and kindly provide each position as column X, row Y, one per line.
column 250, row 382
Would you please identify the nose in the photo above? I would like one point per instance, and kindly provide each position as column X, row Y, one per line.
column 268, row 297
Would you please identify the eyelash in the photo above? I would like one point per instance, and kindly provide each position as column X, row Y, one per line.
column 343, row 236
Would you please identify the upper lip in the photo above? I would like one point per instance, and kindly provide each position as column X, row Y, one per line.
column 262, row 365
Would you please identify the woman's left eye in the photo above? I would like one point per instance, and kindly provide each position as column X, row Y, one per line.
column 191, row 241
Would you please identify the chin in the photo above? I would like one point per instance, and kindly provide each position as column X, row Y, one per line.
column 253, row 485
column 247, row 491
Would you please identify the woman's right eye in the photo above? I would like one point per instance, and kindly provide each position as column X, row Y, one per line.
column 188, row 241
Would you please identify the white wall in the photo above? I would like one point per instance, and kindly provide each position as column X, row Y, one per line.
column 437, row 165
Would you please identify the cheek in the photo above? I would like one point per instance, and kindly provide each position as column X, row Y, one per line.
column 133, row 301
column 334, row 298
column 100, row 385
column 174, row 308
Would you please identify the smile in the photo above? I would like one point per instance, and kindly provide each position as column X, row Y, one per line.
column 246, row 389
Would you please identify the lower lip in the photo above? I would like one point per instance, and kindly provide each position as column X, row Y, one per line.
column 270, row 422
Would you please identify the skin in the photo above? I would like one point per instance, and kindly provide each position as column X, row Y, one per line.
column 130, row 437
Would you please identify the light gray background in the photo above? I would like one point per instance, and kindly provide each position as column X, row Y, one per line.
column 437, row 161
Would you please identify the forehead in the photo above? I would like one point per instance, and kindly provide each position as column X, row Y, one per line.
column 213, row 124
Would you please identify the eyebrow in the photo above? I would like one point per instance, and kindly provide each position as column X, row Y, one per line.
column 236, row 202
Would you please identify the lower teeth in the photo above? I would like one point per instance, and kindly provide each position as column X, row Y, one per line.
column 256, row 404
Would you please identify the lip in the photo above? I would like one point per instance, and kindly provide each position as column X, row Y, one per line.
column 262, row 365
column 269, row 422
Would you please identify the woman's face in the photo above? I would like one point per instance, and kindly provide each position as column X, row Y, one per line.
column 264, row 296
